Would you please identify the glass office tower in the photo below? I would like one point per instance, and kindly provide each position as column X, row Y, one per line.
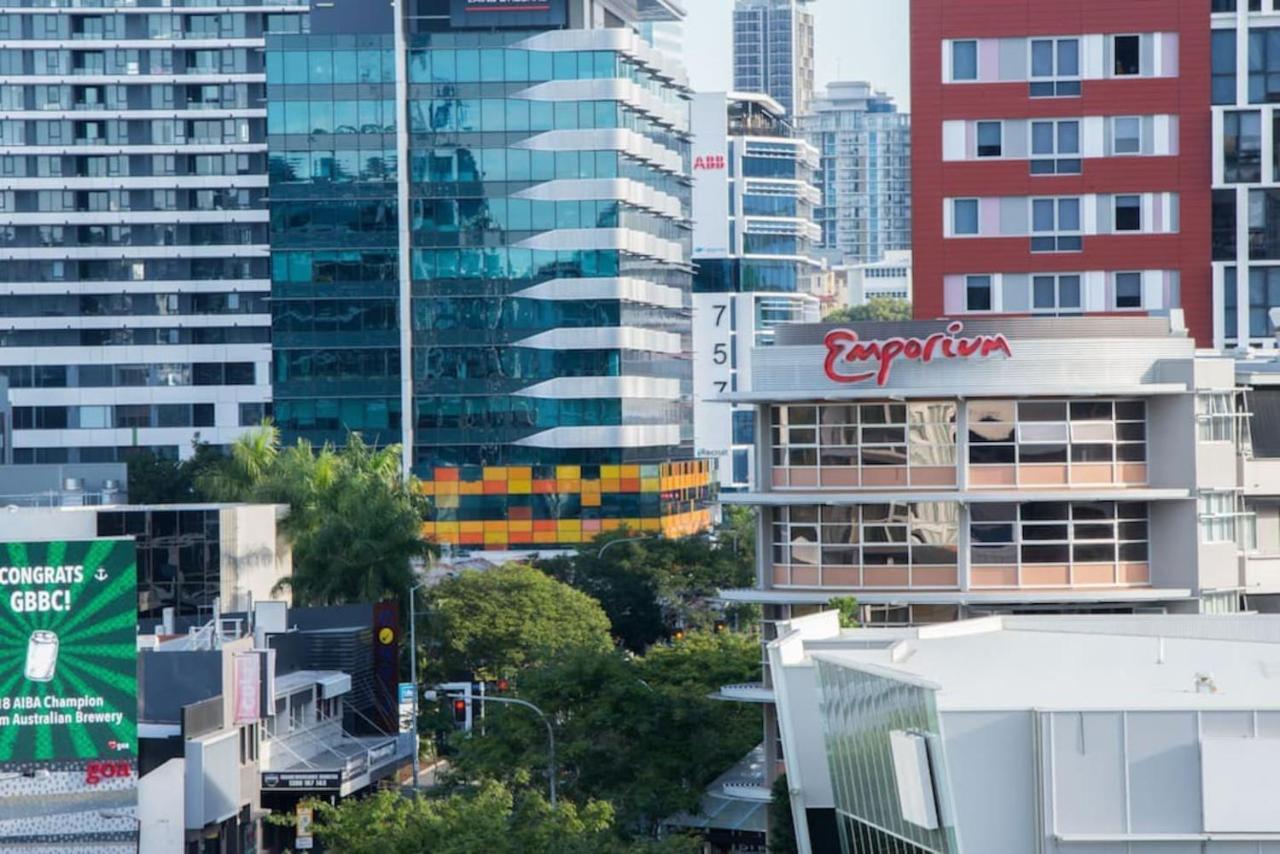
column 133, row 233
column 527, row 174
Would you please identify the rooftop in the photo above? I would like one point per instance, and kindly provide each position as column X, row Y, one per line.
column 1085, row 662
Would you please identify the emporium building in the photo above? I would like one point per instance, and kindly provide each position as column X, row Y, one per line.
column 481, row 250
column 936, row 471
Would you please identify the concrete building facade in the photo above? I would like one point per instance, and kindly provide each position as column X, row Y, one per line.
column 133, row 225
column 755, row 265
column 773, row 51
column 864, row 172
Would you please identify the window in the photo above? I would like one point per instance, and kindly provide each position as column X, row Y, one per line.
column 1223, row 67
column 1128, row 290
column 1216, row 416
column 1264, row 66
column 989, row 138
column 1223, row 519
column 1224, row 225
column 964, row 60
column 977, row 293
column 1051, row 61
column 1264, row 224
column 1058, row 533
column 1128, row 213
column 1055, row 147
column 1126, row 135
column 1002, row 432
column 1055, row 225
column 1127, row 55
column 1242, row 146
column 1264, row 295
column 964, row 217
column 1053, row 294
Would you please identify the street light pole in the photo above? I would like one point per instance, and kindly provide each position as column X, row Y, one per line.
column 612, row 543
column 413, row 670
column 551, row 736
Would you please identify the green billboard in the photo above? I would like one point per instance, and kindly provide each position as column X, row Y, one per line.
column 68, row 652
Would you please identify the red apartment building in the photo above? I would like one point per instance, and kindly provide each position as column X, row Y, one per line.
column 1061, row 158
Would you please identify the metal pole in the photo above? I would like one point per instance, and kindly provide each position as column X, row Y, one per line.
column 607, row 545
column 551, row 737
column 413, row 672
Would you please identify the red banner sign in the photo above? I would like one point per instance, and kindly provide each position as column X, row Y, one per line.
column 847, row 356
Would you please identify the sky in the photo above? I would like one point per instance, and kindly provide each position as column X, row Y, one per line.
column 856, row 40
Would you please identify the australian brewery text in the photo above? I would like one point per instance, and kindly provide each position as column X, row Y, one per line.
column 845, row 353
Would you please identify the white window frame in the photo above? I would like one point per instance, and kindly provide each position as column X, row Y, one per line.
column 1115, row 213
column 1056, row 232
column 977, row 216
column 951, row 62
column 1111, row 38
column 1058, row 307
column 1115, row 289
column 1115, row 136
column 1056, row 76
column 977, row 136
column 1056, row 156
column 991, row 292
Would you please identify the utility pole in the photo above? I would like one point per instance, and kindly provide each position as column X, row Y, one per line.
column 551, row 737
column 413, row 670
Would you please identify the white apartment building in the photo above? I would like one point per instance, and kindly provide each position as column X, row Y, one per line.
column 133, row 227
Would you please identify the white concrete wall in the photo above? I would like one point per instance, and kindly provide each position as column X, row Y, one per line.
column 161, row 808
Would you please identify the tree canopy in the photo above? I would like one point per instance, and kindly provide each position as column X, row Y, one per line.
column 488, row 818
column 491, row 623
column 876, row 308
column 638, row 732
column 651, row 587
column 154, row 479
column 354, row 521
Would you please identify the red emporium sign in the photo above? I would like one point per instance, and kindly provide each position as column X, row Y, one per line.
column 847, row 357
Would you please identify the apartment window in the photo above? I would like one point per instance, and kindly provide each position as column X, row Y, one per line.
column 1224, row 225
column 1055, row 68
column 1223, row 519
column 1264, row 223
column 1263, row 294
column 1223, row 67
column 964, row 220
column 1230, row 6
column 1242, row 146
column 1058, row 532
column 1126, row 135
column 1055, row 147
column 1054, row 294
column 964, row 60
column 1055, row 225
column 1002, row 432
column 977, row 293
column 1216, row 416
column 989, row 139
column 1128, row 213
column 1126, row 55
column 1128, row 290
column 1264, row 65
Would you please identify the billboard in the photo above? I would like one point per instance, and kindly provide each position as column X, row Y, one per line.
column 508, row 13
column 68, row 653
column 709, row 120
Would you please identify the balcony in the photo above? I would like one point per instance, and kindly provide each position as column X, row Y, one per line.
column 745, row 692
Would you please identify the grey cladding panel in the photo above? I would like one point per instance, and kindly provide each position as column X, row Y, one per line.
column 1013, row 59
column 1013, row 216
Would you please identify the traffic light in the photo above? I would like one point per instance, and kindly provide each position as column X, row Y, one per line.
column 458, row 695
column 503, row 686
column 460, row 711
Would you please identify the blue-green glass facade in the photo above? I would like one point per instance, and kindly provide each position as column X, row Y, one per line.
column 334, row 236
column 542, row 270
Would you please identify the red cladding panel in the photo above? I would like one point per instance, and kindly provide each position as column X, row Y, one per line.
column 1187, row 174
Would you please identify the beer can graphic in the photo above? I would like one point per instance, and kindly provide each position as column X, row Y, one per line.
column 42, row 656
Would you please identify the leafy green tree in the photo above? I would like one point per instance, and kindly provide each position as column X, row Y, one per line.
column 154, row 479
column 876, row 308
column 848, row 608
column 653, row 586
column 492, row 623
column 354, row 522
column 782, row 828
column 639, row 732
column 488, row 818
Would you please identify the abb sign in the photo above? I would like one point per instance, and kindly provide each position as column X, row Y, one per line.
column 709, row 162
column 848, row 358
